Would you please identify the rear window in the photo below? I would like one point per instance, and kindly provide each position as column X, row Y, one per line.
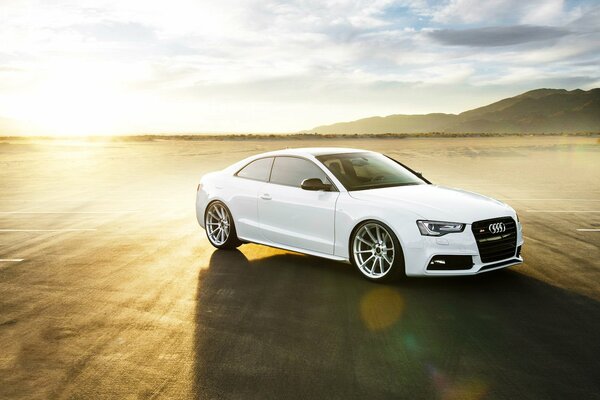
column 258, row 169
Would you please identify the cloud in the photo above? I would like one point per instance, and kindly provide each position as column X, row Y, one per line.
column 588, row 21
column 547, row 12
column 282, row 65
column 111, row 31
column 497, row 35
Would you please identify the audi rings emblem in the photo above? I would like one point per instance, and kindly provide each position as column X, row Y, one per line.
column 498, row 227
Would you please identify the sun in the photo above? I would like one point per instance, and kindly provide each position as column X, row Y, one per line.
column 74, row 99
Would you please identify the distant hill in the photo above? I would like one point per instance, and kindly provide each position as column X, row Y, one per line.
column 536, row 111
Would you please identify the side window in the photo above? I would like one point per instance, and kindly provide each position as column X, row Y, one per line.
column 291, row 171
column 258, row 169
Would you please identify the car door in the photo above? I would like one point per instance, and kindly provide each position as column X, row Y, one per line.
column 243, row 196
column 291, row 216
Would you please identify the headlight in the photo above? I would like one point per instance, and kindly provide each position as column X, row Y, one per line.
column 438, row 228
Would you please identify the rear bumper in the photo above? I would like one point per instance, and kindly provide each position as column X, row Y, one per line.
column 201, row 203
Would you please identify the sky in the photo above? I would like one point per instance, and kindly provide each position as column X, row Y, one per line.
column 180, row 66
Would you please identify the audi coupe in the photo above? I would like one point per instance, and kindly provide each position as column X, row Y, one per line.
column 360, row 207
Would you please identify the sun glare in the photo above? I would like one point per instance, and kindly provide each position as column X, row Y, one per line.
column 73, row 100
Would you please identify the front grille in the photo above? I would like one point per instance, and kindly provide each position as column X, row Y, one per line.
column 495, row 246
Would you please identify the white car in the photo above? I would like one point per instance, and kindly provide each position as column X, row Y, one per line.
column 357, row 206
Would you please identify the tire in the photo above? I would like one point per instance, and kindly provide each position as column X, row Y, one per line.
column 376, row 253
column 219, row 226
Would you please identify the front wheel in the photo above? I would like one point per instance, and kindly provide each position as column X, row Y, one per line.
column 376, row 252
column 220, row 228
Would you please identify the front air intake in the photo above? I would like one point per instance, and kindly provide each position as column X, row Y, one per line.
column 450, row 263
column 496, row 238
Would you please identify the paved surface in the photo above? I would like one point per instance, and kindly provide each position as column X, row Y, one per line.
column 119, row 294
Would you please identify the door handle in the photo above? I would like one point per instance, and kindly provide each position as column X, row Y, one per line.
column 265, row 196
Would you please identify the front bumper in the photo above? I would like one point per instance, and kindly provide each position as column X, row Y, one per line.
column 420, row 254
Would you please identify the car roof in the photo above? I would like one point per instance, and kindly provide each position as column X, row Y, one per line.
column 301, row 152
column 313, row 151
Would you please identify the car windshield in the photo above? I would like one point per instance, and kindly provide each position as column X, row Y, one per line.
column 361, row 171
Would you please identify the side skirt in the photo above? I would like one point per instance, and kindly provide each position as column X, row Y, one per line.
column 296, row 249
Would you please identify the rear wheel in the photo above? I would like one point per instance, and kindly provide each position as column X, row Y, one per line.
column 376, row 252
column 219, row 226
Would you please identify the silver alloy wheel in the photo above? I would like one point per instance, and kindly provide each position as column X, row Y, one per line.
column 217, row 223
column 373, row 250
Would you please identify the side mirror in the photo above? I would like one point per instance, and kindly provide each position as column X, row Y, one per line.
column 420, row 175
column 315, row 184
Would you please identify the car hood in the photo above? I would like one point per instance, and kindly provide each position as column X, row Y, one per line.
column 439, row 203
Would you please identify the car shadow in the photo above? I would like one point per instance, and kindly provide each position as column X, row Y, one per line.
column 295, row 326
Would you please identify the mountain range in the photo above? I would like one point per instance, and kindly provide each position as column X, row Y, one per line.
column 536, row 111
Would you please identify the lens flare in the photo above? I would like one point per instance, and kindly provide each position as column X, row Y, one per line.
column 381, row 308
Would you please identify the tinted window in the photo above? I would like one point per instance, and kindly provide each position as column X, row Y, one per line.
column 292, row 171
column 258, row 169
column 359, row 171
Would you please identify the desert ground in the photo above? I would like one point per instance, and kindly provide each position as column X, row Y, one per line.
column 109, row 288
